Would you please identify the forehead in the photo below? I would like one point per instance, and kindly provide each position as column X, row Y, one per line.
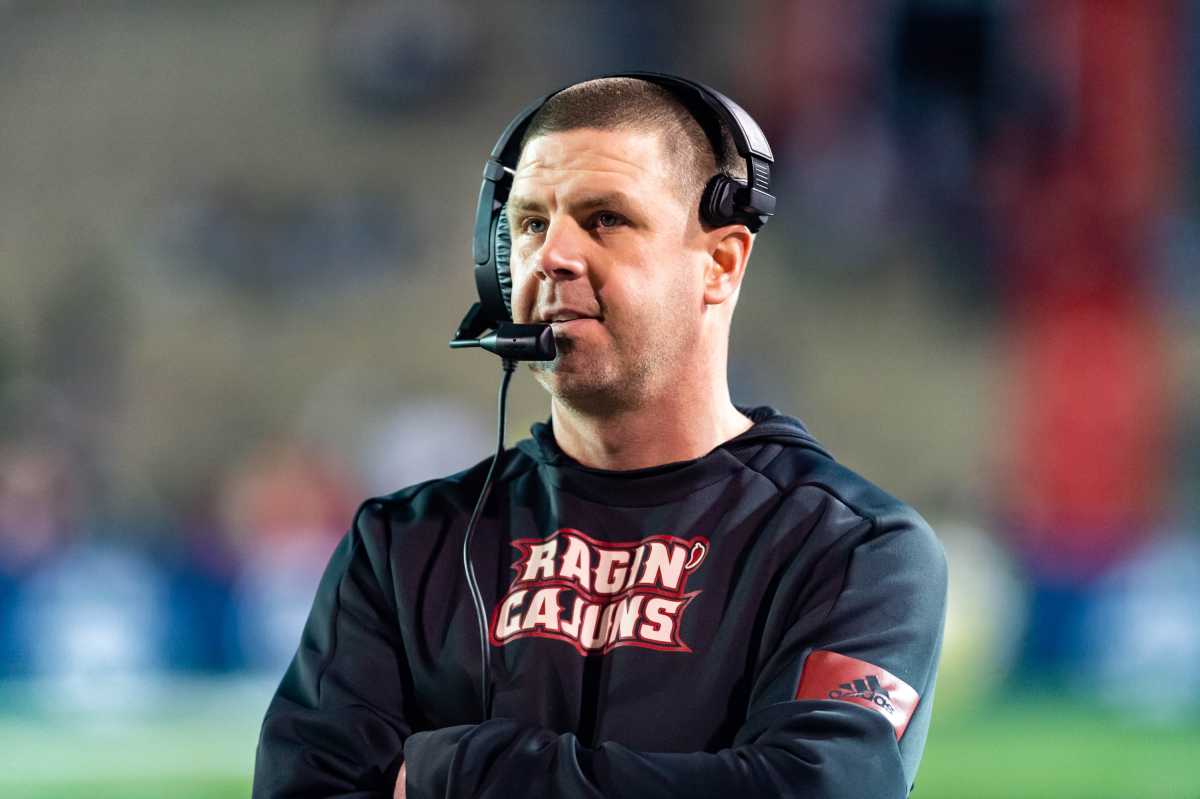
column 589, row 159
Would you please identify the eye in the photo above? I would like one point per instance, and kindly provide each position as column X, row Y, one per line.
column 533, row 225
column 607, row 219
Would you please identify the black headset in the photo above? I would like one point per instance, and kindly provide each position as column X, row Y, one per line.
column 725, row 200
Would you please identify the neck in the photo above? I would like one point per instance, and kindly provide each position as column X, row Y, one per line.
column 678, row 426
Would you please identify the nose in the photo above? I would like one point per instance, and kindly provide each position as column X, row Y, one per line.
column 562, row 255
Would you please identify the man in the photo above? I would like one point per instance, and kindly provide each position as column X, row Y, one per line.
column 687, row 599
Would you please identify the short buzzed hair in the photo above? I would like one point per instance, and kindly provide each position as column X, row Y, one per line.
column 634, row 104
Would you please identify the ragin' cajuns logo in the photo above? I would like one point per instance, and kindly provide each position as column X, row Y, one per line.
column 599, row 595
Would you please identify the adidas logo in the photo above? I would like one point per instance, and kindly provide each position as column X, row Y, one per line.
column 867, row 688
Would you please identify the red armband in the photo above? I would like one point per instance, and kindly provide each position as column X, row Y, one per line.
column 828, row 675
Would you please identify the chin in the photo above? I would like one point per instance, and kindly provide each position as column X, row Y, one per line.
column 568, row 377
column 571, row 357
column 585, row 389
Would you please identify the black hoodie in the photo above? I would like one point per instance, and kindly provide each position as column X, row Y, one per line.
column 759, row 621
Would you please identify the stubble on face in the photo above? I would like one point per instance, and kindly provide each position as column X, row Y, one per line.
column 593, row 387
column 637, row 366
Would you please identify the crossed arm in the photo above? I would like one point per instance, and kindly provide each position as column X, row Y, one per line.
column 333, row 731
column 794, row 749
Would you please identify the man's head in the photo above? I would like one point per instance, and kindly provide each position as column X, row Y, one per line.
column 604, row 212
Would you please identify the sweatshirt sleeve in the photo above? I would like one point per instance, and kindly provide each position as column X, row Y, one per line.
column 840, row 707
column 328, row 732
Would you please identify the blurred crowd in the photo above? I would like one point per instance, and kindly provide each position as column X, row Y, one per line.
column 223, row 586
column 237, row 331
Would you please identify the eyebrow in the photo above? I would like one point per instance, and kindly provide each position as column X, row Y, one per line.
column 613, row 199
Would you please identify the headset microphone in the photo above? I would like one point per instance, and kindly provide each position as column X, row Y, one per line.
column 515, row 342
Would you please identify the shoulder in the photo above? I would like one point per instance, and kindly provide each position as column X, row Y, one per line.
column 862, row 512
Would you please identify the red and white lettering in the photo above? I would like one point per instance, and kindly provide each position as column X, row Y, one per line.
column 660, row 620
column 508, row 618
column 598, row 595
column 543, row 610
column 625, row 618
column 610, row 570
column 576, row 563
column 664, row 565
column 540, row 560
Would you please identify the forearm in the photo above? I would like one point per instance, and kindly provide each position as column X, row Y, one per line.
column 800, row 749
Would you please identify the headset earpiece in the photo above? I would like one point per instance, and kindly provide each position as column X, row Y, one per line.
column 501, row 253
column 717, row 207
column 493, row 280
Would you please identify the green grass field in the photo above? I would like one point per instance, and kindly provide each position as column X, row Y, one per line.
column 1058, row 750
column 1023, row 750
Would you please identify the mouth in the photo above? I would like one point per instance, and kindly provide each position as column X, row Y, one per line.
column 566, row 318
column 573, row 323
column 571, row 320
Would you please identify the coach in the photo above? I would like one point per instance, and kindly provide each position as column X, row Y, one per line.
column 684, row 598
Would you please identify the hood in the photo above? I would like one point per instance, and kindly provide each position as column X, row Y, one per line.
column 770, row 426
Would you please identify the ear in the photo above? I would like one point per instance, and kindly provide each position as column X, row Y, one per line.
column 729, row 250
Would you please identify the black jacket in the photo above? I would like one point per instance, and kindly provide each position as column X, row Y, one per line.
column 760, row 621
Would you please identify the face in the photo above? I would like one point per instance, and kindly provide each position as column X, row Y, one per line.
column 606, row 250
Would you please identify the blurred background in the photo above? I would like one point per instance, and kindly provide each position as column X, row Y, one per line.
column 234, row 241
